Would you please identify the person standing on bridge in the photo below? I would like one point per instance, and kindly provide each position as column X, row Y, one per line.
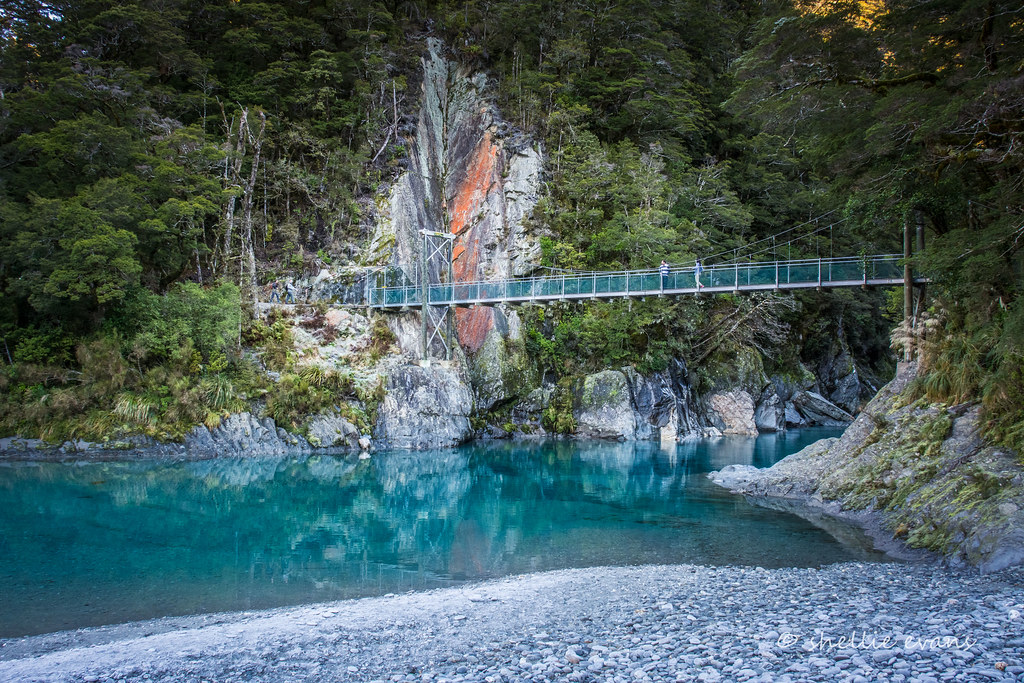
column 289, row 293
column 273, row 293
column 697, row 270
column 663, row 268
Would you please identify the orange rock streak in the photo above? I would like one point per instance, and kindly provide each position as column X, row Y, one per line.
column 482, row 174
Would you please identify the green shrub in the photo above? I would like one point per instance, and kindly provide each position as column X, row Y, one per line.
column 155, row 326
column 558, row 417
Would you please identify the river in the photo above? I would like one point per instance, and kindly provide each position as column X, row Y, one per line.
column 92, row 543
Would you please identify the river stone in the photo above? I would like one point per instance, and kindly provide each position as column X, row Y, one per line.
column 332, row 431
column 603, row 408
column 425, row 408
column 818, row 410
column 735, row 411
column 770, row 415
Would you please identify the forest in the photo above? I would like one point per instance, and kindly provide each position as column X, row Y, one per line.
column 162, row 160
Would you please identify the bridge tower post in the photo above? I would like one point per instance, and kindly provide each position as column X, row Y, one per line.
column 908, row 285
column 436, row 320
column 920, row 289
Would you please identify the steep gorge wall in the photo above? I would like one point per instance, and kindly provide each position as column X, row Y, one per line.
column 471, row 175
column 468, row 175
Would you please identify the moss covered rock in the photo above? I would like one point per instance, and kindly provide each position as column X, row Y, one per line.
column 603, row 408
column 920, row 472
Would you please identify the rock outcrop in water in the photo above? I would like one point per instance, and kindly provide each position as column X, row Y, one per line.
column 920, row 473
column 425, row 407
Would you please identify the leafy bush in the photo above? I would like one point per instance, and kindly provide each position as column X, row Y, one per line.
column 381, row 339
column 209, row 318
column 273, row 341
column 291, row 401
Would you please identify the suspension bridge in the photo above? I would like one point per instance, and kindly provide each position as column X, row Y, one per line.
column 858, row 271
column 433, row 289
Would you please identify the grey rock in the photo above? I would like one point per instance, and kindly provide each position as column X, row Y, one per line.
column 733, row 412
column 425, row 407
column 770, row 414
column 602, row 407
column 818, row 410
column 327, row 431
column 892, row 446
column 793, row 418
column 653, row 401
column 243, row 434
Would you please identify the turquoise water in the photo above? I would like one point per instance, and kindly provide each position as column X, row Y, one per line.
column 86, row 544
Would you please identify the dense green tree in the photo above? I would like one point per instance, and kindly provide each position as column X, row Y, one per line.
column 912, row 112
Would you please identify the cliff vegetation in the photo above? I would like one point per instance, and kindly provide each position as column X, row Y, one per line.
column 162, row 163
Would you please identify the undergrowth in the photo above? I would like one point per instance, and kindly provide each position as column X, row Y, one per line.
column 965, row 360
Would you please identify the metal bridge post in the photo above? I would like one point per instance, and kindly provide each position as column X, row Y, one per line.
column 450, row 315
column 908, row 287
column 424, row 299
column 436, row 244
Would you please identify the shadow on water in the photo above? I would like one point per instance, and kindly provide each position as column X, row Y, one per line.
column 95, row 543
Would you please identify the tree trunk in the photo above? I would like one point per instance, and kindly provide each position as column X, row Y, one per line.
column 247, row 280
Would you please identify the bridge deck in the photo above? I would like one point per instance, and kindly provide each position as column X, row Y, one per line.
column 881, row 270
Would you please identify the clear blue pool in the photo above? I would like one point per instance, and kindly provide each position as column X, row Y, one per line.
column 96, row 543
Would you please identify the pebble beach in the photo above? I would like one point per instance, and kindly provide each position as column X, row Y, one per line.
column 845, row 622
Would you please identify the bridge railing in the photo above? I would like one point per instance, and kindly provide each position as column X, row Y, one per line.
column 765, row 274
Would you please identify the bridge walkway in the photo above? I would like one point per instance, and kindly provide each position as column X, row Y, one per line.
column 857, row 271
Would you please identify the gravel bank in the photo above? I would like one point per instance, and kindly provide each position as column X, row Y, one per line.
column 607, row 624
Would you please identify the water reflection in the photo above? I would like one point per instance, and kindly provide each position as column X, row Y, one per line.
column 107, row 542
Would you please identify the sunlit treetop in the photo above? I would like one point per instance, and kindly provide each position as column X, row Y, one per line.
column 861, row 13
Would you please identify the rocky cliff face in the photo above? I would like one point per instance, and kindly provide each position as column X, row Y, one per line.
column 425, row 407
column 921, row 474
column 468, row 175
column 471, row 176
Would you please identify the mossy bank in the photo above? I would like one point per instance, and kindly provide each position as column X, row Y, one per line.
column 921, row 473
